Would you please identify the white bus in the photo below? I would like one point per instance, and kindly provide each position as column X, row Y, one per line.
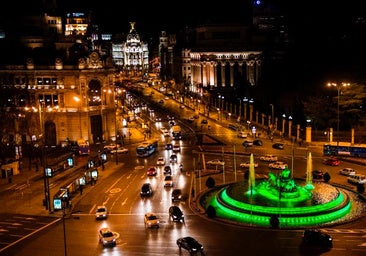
column 147, row 148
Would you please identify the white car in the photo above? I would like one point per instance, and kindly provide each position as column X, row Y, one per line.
column 176, row 148
column 120, row 150
column 242, row 135
column 107, row 237
column 268, row 158
column 247, row 164
column 278, row 165
column 160, row 161
column 357, row 179
column 151, row 220
column 215, row 162
column 348, row 171
column 101, row 212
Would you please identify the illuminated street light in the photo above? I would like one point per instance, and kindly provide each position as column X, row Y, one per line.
column 339, row 87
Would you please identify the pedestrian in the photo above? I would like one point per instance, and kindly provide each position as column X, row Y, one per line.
column 81, row 189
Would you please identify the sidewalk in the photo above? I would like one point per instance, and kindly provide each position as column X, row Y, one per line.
column 25, row 186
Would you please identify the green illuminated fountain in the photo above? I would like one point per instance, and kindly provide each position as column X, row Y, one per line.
column 294, row 203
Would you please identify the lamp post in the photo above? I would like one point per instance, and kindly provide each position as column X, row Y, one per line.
column 339, row 87
column 46, row 171
column 272, row 117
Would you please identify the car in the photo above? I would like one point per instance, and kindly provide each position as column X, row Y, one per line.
column 247, row 143
column 247, row 164
column 347, row 171
column 146, row 190
column 332, row 161
column 151, row 220
column 161, row 101
column 167, row 170
column 316, row 238
column 151, row 171
column 242, row 134
column 120, row 150
column 168, row 146
column 176, row 214
column 215, row 162
column 160, row 161
column 165, row 132
column 278, row 145
column 168, row 181
column 190, row 244
column 176, row 148
column 110, row 147
column 173, row 158
column 107, row 237
column 357, row 179
column 101, row 212
column 268, row 158
column 176, row 194
column 257, row 142
column 158, row 119
column 204, row 121
column 317, row 174
column 279, row 165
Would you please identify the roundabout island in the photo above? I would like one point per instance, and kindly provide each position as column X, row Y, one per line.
column 283, row 202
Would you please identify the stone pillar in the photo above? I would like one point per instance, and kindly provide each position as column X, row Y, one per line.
column 308, row 133
column 289, row 128
column 352, row 136
column 331, row 135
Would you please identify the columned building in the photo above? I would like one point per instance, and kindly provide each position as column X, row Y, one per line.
column 220, row 69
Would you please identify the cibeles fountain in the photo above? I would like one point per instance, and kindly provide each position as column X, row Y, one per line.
column 282, row 201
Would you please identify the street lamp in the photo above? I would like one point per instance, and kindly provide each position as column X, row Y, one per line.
column 47, row 172
column 339, row 87
column 272, row 117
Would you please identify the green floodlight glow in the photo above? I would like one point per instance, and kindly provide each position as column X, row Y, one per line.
column 260, row 215
column 294, row 206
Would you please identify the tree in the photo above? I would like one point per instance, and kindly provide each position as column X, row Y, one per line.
column 210, row 182
column 360, row 188
column 326, row 177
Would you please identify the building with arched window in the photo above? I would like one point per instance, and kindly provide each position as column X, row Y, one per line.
column 132, row 55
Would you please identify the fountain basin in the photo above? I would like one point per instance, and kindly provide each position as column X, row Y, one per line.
column 233, row 202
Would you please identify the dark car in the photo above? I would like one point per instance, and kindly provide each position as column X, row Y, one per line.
column 167, row 170
column 176, row 195
column 176, row 214
column 190, row 244
column 173, row 158
column 278, row 145
column 146, row 190
column 317, row 174
column 316, row 238
column 168, row 146
column 331, row 161
column 257, row 142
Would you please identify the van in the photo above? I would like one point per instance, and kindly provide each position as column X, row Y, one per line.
column 357, row 179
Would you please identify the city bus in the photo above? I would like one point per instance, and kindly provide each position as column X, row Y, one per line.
column 147, row 148
column 344, row 150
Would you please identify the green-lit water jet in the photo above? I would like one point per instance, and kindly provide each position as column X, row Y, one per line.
column 294, row 205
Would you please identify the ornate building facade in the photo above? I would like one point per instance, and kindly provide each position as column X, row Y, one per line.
column 131, row 56
column 59, row 102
